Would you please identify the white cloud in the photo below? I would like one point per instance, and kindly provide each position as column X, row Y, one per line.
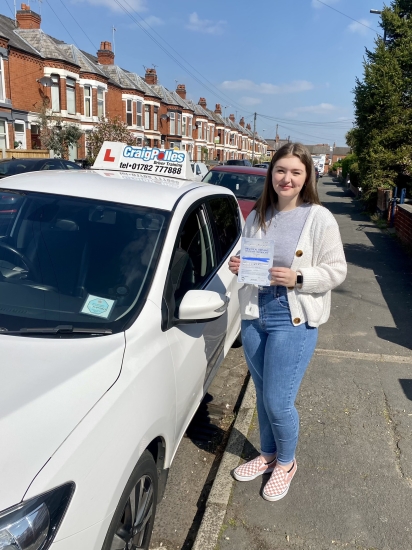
column 153, row 21
column 205, row 25
column 249, row 101
column 136, row 5
column 321, row 109
column 317, row 5
column 360, row 27
column 265, row 88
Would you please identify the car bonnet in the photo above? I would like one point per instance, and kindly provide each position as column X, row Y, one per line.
column 48, row 386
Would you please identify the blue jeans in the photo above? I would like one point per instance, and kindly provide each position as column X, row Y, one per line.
column 277, row 354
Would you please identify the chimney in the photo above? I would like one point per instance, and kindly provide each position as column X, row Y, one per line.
column 242, row 122
column 218, row 109
column 202, row 102
column 151, row 76
column 248, row 126
column 232, row 118
column 27, row 19
column 181, row 91
column 105, row 56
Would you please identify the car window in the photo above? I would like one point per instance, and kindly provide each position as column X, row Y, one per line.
column 244, row 186
column 225, row 215
column 52, row 164
column 68, row 165
column 198, row 172
column 63, row 258
column 194, row 258
column 16, row 167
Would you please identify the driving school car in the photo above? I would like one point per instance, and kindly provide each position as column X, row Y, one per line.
column 116, row 310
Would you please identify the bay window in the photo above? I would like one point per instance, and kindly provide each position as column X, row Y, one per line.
column 88, row 101
column 55, row 93
column 100, row 102
column 71, row 96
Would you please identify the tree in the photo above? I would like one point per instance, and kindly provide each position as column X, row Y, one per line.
column 108, row 129
column 56, row 135
column 382, row 136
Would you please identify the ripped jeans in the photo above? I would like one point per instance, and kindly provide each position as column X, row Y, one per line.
column 277, row 354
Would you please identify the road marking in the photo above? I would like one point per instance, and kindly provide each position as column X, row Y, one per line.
column 376, row 357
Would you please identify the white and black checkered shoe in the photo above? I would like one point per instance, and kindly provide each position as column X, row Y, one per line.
column 253, row 469
column 279, row 483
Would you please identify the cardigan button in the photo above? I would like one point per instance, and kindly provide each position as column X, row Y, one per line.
column 299, row 253
column 296, row 320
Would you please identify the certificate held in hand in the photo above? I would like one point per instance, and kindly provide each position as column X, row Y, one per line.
column 256, row 258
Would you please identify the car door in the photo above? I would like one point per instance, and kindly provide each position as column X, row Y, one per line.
column 196, row 347
column 226, row 222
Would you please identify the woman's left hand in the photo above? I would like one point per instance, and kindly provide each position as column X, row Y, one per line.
column 282, row 276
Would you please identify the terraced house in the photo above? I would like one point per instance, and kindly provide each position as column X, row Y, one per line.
column 39, row 72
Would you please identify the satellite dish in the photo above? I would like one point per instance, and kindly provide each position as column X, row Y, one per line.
column 45, row 81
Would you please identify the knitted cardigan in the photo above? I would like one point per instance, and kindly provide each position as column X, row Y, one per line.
column 321, row 260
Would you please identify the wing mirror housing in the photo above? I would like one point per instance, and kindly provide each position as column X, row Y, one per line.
column 201, row 306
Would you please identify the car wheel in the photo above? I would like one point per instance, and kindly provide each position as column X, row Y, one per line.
column 132, row 523
column 238, row 342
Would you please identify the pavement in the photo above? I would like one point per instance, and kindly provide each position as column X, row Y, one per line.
column 353, row 487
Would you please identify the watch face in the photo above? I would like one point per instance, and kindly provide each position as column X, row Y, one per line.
column 299, row 279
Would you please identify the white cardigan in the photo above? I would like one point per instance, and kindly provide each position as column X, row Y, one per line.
column 321, row 260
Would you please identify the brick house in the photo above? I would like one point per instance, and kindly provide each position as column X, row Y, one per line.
column 39, row 72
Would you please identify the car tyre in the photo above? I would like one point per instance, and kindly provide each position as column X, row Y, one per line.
column 132, row 524
column 238, row 342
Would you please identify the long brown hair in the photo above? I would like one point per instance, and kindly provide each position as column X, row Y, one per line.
column 308, row 193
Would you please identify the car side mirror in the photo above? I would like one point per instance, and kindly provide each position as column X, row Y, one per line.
column 202, row 306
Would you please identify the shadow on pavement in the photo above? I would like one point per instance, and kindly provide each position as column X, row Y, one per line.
column 390, row 263
column 406, row 385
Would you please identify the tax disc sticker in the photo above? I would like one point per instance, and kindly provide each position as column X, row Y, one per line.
column 98, row 307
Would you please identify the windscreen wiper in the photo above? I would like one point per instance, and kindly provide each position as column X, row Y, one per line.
column 60, row 329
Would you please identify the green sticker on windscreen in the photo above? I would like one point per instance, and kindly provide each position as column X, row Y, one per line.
column 97, row 306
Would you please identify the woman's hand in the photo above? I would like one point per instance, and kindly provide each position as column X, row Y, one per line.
column 234, row 264
column 282, row 276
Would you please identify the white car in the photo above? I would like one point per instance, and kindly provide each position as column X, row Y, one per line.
column 116, row 309
column 199, row 170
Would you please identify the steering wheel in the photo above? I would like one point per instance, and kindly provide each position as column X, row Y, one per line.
column 25, row 261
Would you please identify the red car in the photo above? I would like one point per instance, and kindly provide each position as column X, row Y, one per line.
column 246, row 182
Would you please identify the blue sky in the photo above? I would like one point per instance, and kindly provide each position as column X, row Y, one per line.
column 293, row 61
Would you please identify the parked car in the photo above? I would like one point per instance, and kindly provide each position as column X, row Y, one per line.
column 246, row 182
column 199, row 170
column 11, row 167
column 317, row 173
column 116, row 310
column 262, row 165
column 238, row 162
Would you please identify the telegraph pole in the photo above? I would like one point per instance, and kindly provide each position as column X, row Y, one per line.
column 254, row 137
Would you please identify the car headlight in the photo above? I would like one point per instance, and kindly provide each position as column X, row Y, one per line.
column 32, row 525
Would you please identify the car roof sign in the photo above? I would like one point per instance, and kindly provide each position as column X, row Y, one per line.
column 143, row 160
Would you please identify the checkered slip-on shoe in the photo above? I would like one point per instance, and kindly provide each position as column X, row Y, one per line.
column 253, row 469
column 279, row 483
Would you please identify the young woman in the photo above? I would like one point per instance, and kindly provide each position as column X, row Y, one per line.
column 280, row 322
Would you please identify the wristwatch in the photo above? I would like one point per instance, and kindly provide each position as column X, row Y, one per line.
column 299, row 279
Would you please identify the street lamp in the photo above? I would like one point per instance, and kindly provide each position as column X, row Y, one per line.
column 379, row 12
column 224, row 132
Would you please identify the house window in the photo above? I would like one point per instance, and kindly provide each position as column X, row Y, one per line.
column 179, row 124
column 88, row 101
column 55, row 93
column 2, row 94
column 139, row 113
column 100, row 102
column 3, row 134
column 208, row 133
column 199, row 130
column 199, row 153
column 129, row 113
column 147, row 117
column 204, row 130
column 184, row 127
column 71, row 96
column 172, row 123
column 155, row 118
column 190, row 134
column 19, row 134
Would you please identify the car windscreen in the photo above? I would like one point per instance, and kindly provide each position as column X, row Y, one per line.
column 12, row 167
column 77, row 262
column 244, row 186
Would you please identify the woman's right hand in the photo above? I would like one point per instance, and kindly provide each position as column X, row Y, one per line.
column 234, row 264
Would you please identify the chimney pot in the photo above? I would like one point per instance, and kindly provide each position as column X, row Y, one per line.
column 242, row 122
column 105, row 56
column 218, row 109
column 202, row 102
column 232, row 117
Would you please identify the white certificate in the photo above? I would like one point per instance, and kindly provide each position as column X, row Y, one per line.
column 256, row 258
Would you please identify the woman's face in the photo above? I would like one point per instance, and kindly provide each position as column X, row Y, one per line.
column 288, row 177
